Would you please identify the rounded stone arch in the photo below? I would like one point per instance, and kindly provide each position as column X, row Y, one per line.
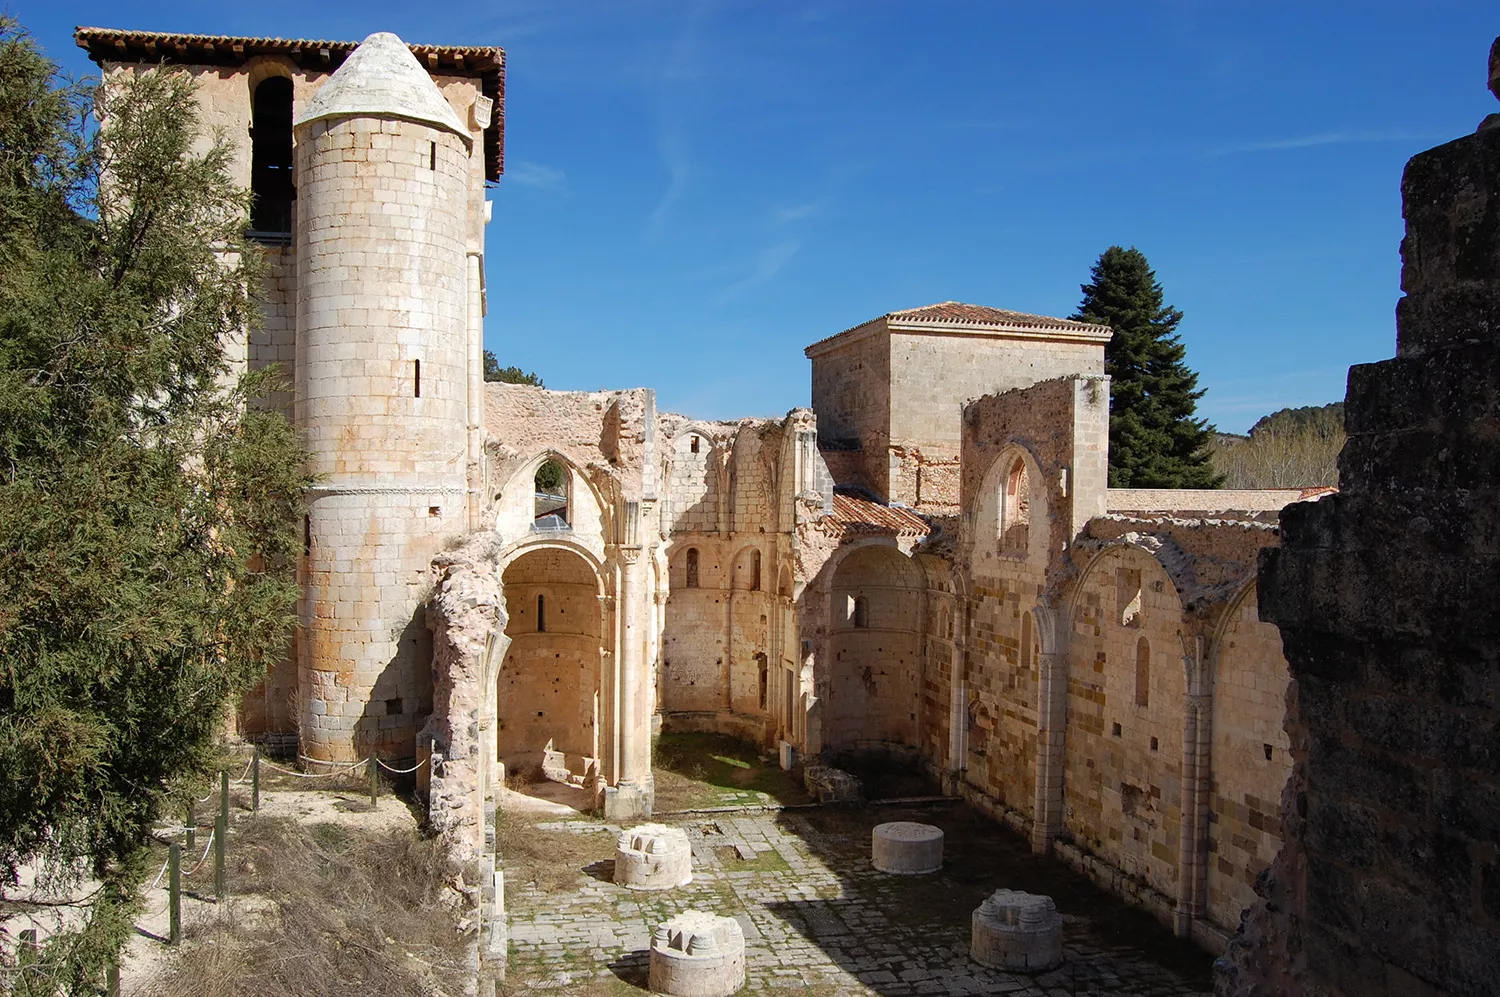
column 871, row 679
column 513, row 507
column 1249, row 752
column 1110, row 550
column 747, row 572
column 692, row 485
column 785, row 586
column 709, row 569
column 1010, row 512
column 260, row 68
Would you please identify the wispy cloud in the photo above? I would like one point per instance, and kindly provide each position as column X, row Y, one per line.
column 677, row 85
column 798, row 212
column 1325, row 138
column 770, row 262
column 542, row 177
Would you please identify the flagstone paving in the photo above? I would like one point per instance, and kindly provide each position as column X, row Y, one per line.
column 819, row 919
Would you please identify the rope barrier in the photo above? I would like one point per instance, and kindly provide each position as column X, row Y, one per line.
column 243, row 775
column 403, row 771
column 315, row 775
column 206, row 846
column 157, row 881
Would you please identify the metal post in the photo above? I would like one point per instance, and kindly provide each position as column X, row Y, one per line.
column 374, row 766
column 221, row 832
column 174, row 894
column 255, row 780
column 192, row 826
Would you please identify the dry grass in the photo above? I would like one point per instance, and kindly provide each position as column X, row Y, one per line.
column 550, row 860
column 326, row 910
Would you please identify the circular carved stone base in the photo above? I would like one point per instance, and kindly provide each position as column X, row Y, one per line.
column 1015, row 930
column 697, row 954
column 653, row 857
column 906, row 849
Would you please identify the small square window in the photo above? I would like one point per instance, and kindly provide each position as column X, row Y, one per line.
column 1116, row 730
column 434, row 511
column 393, row 707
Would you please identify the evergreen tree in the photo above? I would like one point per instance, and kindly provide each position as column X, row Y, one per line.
column 1155, row 440
column 149, row 511
column 509, row 375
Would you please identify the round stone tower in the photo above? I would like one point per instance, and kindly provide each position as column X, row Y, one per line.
column 383, row 171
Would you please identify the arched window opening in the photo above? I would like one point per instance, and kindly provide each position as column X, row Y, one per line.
column 1028, row 638
column 1015, row 514
column 1142, row 673
column 693, row 444
column 541, row 614
column 861, row 612
column 755, row 571
column 551, row 497
column 271, row 157
column 692, row 567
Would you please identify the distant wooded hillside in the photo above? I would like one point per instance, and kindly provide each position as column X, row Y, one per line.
column 1290, row 448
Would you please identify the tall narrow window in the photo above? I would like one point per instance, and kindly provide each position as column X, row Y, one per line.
column 1028, row 655
column 307, row 535
column 1128, row 596
column 551, row 511
column 1142, row 673
column 271, row 157
column 1015, row 515
column 692, row 567
column 755, row 571
column 693, row 444
column 541, row 614
column 432, row 158
column 416, row 378
column 861, row 612
column 765, row 679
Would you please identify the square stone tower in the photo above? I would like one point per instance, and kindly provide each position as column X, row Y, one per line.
column 889, row 393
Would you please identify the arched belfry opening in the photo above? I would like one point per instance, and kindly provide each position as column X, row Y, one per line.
column 1015, row 508
column 548, row 684
column 271, row 157
column 551, row 511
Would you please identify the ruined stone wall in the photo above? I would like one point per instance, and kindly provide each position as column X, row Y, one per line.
column 1250, row 757
column 1123, row 765
column 851, row 395
column 1388, row 882
column 692, row 660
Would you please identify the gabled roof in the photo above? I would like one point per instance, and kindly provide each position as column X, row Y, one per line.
column 382, row 77
column 485, row 63
column 955, row 316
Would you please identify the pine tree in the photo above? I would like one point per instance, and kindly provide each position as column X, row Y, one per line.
column 1155, row 439
column 149, row 510
column 509, row 375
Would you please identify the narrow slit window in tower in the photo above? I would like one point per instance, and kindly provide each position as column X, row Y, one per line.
column 432, row 158
column 861, row 612
column 1142, row 673
column 271, row 157
column 692, row 567
column 307, row 536
column 765, row 679
column 755, row 571
column 416, row 373
column 541, row 614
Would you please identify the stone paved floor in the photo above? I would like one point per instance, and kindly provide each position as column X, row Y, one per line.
column 819, row 919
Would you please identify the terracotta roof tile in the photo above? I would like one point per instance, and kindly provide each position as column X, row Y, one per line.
column 947, row 314
column 483, row 62
column 859, row 513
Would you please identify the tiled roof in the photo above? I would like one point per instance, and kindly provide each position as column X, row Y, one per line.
column 859, row 513
column 951, row 314
column 483, row 62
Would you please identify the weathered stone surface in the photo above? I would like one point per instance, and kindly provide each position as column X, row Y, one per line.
column 698, row 954
column 653, row 857
column 1017, row 930
column 1386, row 601
column 830, row 785
column 905, row 848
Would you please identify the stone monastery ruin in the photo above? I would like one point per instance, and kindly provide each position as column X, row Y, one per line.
column 927, row 563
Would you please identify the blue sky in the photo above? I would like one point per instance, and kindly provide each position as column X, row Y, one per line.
column 696, row 191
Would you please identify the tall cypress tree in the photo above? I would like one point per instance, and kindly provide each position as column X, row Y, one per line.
column 1155, row 438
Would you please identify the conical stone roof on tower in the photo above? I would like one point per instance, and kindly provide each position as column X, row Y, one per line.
column 383, row 78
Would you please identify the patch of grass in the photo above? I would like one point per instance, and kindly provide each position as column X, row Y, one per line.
column 766, row 861
column 715, row 770
column 548, row 859
column 340, row 911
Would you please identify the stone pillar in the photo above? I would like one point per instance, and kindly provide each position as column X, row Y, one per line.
column 1052, row 700
column 631, row 797
column 476, row 502
column 1192, row 840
